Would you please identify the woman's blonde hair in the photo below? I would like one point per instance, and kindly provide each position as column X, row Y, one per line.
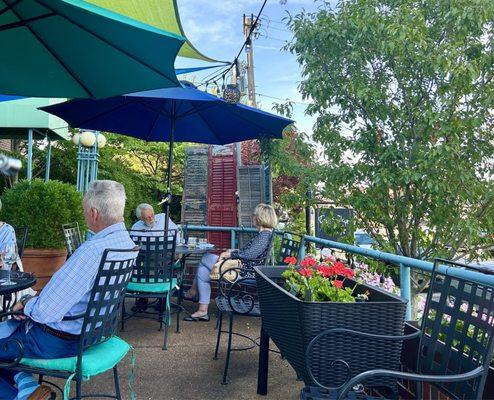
column 265, row 216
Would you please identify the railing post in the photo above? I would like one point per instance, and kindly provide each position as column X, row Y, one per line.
column 406, row 292
column 233, row 239
column 301, row 251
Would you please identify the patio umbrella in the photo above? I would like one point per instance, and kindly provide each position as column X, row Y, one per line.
column 167, row 115
column 70, row 48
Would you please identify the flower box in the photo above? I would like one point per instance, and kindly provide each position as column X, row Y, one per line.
column 292, row 323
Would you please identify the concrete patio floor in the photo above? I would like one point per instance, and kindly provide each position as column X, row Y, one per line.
column 187, row 369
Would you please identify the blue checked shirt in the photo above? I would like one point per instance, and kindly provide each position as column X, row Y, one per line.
column 67, row 293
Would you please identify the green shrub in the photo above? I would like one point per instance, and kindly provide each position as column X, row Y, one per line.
column 43, row 208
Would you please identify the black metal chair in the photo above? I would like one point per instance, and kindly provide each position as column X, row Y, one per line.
column 99, row 350
column 238, row 296
column 456, row 342
column 21, row 237
column 72, row 237
column 153, row 277
column 289, row 247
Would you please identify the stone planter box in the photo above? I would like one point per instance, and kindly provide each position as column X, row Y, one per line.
column 292, row 324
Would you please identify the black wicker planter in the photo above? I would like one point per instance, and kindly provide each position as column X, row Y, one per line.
column 292, row 324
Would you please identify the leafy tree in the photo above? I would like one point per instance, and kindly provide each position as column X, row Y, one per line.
column 403, row 91
column 138, row 165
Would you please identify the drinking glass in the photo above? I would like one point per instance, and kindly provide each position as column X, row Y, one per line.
column 9, row 257
column 192, row 242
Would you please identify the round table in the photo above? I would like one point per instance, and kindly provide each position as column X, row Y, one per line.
column 20, row 281
column 185, row 250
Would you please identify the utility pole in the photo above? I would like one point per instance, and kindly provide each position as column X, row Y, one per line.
column 251, row 91
column 249, row 50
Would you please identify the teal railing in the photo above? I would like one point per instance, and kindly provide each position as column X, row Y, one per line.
column 405, row 263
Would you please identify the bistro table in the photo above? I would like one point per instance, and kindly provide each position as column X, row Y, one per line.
column 185, row 251
column 19, row 280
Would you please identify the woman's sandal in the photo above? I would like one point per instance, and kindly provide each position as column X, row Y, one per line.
column 202, row 318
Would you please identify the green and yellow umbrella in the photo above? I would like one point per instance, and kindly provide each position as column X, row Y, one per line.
column 70, row 48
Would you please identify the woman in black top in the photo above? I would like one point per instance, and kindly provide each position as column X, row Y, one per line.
column 265, row 220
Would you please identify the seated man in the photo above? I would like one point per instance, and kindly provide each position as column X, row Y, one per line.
column 152, row 225
column 42, row 330
column 149, row 221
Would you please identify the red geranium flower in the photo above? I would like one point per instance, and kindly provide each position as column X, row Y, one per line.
column 338, row 284
column 307, row 272
column 308, row 262
column 325, row 270
column 290, row 260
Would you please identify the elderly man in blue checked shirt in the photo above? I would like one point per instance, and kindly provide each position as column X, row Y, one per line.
column 42, row 329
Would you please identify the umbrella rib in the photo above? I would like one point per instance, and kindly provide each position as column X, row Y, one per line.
column 238, row 114
column 9, row 6
column 97, row 115
column 198, row 112
column 110, row 44
column 152, row 128
column 17, row 24
column 54, row 55
column 209, row 104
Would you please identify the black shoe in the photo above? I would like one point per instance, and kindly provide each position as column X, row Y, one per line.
column 202, row 318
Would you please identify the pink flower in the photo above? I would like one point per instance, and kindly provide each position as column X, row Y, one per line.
column 290, row 260
column 308, row 262
column 307, row 272
column 338, row 284
column 325, row 270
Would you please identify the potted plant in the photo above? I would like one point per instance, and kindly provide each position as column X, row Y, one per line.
column 299, row 302
column 43, row 207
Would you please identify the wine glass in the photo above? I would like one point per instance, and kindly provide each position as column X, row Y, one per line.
column 10, row 255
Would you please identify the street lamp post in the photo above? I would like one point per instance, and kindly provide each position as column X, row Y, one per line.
column 88, row 143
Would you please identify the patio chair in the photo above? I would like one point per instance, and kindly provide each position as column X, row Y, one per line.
column 455, row 348
column 153, row 278
column 21, row 236
column 72, row 237
column 289, row 247
column 238, row 296
column 99, row 349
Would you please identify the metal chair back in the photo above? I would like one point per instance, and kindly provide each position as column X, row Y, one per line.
column 154, row 263
column 72, row 237
column 457, row 331
column 238, row 285
column 107, row 294
column 289, row 247
column 21, row 237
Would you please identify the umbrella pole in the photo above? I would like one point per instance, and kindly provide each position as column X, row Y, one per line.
column 168, row 194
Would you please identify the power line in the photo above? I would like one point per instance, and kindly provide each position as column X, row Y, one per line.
column 286, row 99
column 247, row 39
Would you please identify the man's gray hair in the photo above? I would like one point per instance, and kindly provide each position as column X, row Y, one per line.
column 108, row 197
column 143, row 206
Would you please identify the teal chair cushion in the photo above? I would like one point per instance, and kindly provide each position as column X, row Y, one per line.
column 95, row 360
column 158, row 287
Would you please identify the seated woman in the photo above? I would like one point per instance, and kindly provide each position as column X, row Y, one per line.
column 265, row 220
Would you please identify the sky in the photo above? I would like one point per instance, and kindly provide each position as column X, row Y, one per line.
column 215, row 29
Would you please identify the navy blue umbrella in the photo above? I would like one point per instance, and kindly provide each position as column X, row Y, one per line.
column 174, row 114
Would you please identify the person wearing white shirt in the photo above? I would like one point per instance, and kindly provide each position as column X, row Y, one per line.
column 150, row 224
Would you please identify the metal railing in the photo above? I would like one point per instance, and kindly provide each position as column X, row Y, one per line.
column 405, row 263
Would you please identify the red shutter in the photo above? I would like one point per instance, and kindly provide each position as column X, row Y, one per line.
column 222, row 186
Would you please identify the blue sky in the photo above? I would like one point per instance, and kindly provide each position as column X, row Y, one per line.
column 215, row 28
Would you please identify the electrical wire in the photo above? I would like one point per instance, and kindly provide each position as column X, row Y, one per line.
column 247, row 39
column 285, row 100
